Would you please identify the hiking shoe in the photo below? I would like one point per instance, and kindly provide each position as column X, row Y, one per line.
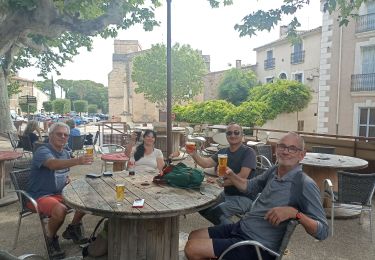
column 74, row 232
column 54, row 249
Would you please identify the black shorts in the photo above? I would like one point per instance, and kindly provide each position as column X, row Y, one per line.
column 223, row 236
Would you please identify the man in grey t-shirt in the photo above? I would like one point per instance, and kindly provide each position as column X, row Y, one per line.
column 242, row 161
column 286, row 193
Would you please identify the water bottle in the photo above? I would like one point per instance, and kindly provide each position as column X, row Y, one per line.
column 131, row 163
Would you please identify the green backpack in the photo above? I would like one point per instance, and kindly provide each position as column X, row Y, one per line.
column 183, row 176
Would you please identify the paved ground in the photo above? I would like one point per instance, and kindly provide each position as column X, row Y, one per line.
column 351, row 240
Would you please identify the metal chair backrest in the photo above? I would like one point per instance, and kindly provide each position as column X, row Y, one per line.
column 286, row 238
column 221, row 139
column 323, row 149
column 96, row 138
column 26, row 143
column 20, row 181
column 77, row 142
column 265, row 150
column 355, row 188
column 14, row 140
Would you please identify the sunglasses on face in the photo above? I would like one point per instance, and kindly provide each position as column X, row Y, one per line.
column 235, row 132
column 61, row 135
column 290, row 149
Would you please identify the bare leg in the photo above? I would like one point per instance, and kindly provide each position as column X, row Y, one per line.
column 199, row 245
column 56, row 219
column 78, row 215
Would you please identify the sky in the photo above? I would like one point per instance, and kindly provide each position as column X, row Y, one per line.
column 195, row 23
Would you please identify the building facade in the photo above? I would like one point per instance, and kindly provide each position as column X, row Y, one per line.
column 300, row 61
column 27, row 87
column 347, row 75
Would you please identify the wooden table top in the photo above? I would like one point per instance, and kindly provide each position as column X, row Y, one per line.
column 114, row 157
column 333, row 161
column 9, row 155
column 97, row 197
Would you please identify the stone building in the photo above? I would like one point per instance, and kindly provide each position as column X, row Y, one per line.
column 27, row 88
column 347, row 75
column 300, row 61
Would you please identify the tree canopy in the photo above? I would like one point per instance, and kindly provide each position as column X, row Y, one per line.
column 150, row 73
column 235, row 85
column 49, row 33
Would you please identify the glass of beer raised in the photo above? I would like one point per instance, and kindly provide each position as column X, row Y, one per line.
column 120, row 193
column 90, row 150
column 190, row 147
column 223, row 161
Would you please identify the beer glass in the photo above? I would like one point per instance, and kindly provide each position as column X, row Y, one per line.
column 120, row 193
column 90, row 150
column 223, row 161
column 190, row 147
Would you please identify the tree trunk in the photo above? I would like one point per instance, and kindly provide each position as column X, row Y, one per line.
column 6, row 124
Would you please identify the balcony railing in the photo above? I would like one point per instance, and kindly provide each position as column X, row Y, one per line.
column 365, row 23
column 297, row 57
column 269, row 63
column 363, row 82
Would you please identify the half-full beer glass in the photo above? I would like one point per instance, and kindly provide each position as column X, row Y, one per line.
column 190, row 147
column 120, row 193
column 90, row 150
column 223, row 161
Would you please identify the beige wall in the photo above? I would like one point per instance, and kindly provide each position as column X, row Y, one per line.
column 339, row 108
column 282, row 50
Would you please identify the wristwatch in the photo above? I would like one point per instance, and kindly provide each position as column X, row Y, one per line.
column 298, row 215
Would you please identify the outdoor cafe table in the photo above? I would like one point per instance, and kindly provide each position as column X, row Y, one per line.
column 6, row 156
column 321, row 166
column 151, row 232
column 118, row 160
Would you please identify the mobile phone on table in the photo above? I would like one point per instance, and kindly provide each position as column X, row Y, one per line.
column 138, row 203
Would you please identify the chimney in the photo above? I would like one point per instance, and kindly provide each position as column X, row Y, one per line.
column 238, row 64
column 283, row 30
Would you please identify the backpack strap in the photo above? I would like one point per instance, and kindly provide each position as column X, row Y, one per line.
column 296, row 190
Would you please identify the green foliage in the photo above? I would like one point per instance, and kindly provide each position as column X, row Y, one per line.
column 45, row 85
column 61, row 106
column 80, row 106
column 92, row 109
column 48, row 106
column 53, row 92
column 261, row 20
column 150, row 73
column 92, row 92
column 235, row 85
column 249, row 113
column 211, row 112
column 14, row 88
column 31, row 108
column 282, row 96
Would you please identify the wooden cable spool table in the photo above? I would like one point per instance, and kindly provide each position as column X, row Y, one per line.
column 6, row 156
column 151, row 232
column 118, row 160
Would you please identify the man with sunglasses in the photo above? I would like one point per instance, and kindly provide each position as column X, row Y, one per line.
column 49, row 175
column 242, row 161
column 286, row 192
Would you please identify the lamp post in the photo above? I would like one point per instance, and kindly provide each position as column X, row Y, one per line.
column 169, row 81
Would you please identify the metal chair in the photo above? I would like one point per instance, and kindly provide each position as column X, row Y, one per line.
column 355, row 191
column 26, row 145
column 20, row 182
column 258, row 246
column 110, row 148
column 265, row 150
column 77, row 143
column 323, row 149
column 14, row 140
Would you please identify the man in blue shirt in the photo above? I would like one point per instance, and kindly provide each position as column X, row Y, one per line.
column 242, row 160
column 49, row 175
column 286, row 193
